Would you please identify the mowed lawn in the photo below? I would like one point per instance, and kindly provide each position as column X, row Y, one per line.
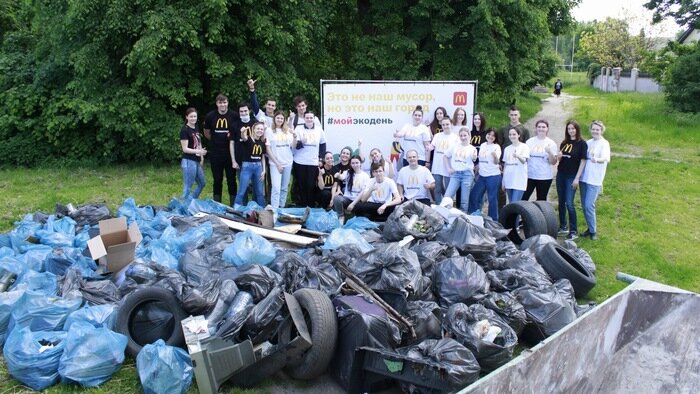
column 647, row 212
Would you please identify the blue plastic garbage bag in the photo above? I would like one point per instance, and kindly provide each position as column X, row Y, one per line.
column 34, row 256
column 249, row 248
column 132, row 212
column 8, row 300
column 161, row 221
column 6, row 251
column 32, row 356
column 343, row 236
column 12, row 264
column 161, row 252
column 64, row 225
column 54, row 239
column 179, row 206
column 26, row 227
column 91, row 355
column 321, row 220
column 164, row 369
column 98, row 316
column 61, row 259
column 206, row 206
column 40, row 282
column 41, row 312
column 81, row 238
column 360, row 223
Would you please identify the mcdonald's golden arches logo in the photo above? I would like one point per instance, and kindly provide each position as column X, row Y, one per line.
column 328, row 179
column 459, row 98
column 413, row 179
column 257, row 149
column 567, row 148
column 461, row 154
column 444, row 145
column 379, row 193
column 310, row 138
column 476, row 140
column 222, row 123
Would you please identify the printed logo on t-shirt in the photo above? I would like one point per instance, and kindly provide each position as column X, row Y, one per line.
column 443, row 145
column 257, row 150
column 221, row 125
column 328, row 180
column 378, row 194
column 310, row 139
column 537, row 149
column 567, row 148
column 476, row 140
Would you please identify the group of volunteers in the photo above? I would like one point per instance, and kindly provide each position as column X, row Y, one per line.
column 441, row 158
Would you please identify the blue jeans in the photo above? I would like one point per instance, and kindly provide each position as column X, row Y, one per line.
column 440, row 182
column 463, row 179
column 589, row 195
column 514, row 195
column 251, row 172
column 280, row 185
column 566, row 193
column 191, row 172
column 490, row 186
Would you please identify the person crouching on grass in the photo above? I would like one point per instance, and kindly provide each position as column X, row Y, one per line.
column 192, row 155
column 253, row 165
column 380, row 196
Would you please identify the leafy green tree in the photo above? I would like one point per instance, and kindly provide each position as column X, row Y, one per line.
column 682, row 82
column 611, row 45
column 685, row 12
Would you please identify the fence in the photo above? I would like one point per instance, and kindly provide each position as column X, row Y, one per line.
column 616, row 80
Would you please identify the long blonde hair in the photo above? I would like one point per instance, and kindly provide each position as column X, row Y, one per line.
column 285, row 126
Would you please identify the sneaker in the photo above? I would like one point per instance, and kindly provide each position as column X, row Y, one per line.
column 572, row 236
column 594, row 237
column 563, row 231
column 586, row 233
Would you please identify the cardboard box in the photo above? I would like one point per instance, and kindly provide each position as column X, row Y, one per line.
column 115, row 247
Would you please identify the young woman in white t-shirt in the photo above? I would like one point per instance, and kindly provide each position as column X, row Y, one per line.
column 354, row 185
column 459, row 161
column 280, row 142
column 489, row 179
column 515, row 158
column 415, row 136
column 442, row 142
column 593, row 175
column 543, row 155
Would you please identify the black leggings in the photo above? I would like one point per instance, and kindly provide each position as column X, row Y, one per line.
column 539, row 185
column 369, row 210
column 305, row 181
column 220, row 164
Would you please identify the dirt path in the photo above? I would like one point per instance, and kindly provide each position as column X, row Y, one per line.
column 556, row 111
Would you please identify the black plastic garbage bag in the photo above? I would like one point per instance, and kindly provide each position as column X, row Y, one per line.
column 546, row 309
column 463, row 368
column 484, row 332
column 467, row 237
column 200, row 300
column 85, row 215
column 306, row 272
column 431, row 252
column 196, row 267
column 426, row 317
column 141, row 273
column 236, row 316
column 360, row 323
column 93, row 290
column 506, row 248
column 258, row 280
column 535, row 242
column 413, row 218
column 513, row 278
column 527, row 261
column 566, row 291
column 496, row 228
column 265, row 317
column 227, row 291
column 389, row 267
column 582, row 256
column 508, row 307
column 459, row 279
column 32, row 357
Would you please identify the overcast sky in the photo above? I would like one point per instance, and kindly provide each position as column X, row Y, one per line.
column 633, row 10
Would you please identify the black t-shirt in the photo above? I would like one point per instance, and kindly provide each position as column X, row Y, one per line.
column 328, row 178
column 478, row 138
column 238, row 124
column 572, row 154
column 194, row 141
column 340, row 167
column 221, row 127
column 252, row 151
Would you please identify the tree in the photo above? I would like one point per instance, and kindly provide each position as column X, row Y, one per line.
column 681, row 81
column 611, row 45
column 685, row 12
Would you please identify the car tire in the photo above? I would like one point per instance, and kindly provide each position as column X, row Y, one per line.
column 560, row 263
column 550, row 217
column 533, row 222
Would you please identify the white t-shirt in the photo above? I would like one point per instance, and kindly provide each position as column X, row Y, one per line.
column 413, row 182
column 280, row 143
column 538, row 166
column 462, row 157
column 594, row 173
column 367, row 165
column 442, row 143
column 262, row 116
column 414, row 138
column 359, row 182
column 311, row 138
column 515, row 172
column 385, row 191
column 488, row 166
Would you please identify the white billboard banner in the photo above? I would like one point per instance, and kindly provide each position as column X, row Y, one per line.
column 372, row 110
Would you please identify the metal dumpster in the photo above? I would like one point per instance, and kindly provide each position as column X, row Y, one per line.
column 642, row 340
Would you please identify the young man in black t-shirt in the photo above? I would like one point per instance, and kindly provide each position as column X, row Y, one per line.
column 220, row 126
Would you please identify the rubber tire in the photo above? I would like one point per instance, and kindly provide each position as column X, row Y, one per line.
column 131, row 304
column 550, row 217
column 532, row 218
column 323, row 329
column 560, row 263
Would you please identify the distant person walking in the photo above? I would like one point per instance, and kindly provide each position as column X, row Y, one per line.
column 558, row 86
column 593, row 175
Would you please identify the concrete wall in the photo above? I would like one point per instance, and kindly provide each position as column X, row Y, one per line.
column 610, row 80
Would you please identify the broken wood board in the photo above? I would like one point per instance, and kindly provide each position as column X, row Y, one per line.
column 266, row 232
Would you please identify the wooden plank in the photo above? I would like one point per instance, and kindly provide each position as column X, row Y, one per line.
column 266, row 232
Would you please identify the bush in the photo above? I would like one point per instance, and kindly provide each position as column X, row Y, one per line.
column 682, row 82
column 593, row 71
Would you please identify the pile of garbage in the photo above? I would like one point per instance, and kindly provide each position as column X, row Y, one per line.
column 454, row 297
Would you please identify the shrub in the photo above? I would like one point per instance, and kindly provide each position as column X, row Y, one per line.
column 593, row 71
column 682, row 82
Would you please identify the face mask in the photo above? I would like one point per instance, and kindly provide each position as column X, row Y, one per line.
column 245, row 119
